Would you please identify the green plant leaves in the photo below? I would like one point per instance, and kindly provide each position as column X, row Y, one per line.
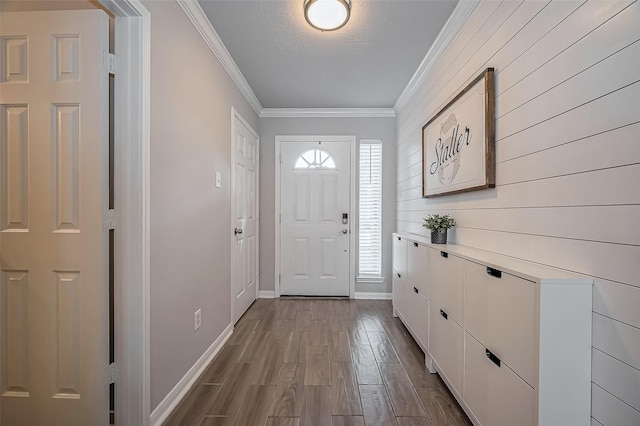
column 440, row 223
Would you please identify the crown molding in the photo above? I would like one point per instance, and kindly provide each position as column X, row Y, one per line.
column 458, row 17
column 327, row 113
column 199, row 20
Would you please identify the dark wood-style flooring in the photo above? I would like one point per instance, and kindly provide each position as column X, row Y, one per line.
column 301, row 362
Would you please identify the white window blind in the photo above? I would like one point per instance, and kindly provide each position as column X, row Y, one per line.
column 370, row 210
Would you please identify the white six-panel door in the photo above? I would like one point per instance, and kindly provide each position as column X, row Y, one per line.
column 315, row 191
column 53, row 197
column 244, row 277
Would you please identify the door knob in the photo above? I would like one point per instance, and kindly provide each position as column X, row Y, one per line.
column 345, row 231
column 237, row 231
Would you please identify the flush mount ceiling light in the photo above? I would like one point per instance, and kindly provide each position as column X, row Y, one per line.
column 327, row 15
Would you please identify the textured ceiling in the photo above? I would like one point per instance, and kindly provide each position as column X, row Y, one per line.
column 365, row 64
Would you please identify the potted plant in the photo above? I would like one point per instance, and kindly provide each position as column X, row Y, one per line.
column 438, row 225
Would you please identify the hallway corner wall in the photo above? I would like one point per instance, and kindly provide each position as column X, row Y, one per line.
column 362, row 128
column 191, row 100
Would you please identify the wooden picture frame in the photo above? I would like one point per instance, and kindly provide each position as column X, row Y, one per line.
column 458, row 143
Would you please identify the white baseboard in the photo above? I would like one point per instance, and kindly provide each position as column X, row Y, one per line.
column 373, row 296
column 162, row 411
column 270, row 294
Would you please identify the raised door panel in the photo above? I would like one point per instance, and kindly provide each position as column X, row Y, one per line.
column 495, row 394
column 14, row 346
column 500, row 312
column 301, row 212
column 329, row 203
column 446, row 275
column 446, row 346
column 14, row 162
column 418, row 266
column 400, row 255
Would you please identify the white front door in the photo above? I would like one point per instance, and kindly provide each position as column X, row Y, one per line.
column 53, row 197
column 315, row 200
column 244, row 279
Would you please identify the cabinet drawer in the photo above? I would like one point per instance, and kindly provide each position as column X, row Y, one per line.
column 418, row 315
column 447, row 282
column 400, row 255
column 418, row 266
column 446, row 345
column 399, row 294
column 500, row 311
column 496, row 395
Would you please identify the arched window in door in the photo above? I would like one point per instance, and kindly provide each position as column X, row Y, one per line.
column 315, row 158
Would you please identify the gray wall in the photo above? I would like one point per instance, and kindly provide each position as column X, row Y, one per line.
column 568, row 162
column 191, row 100
column 362, row 128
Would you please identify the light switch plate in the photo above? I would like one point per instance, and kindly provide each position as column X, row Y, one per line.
column 218, row 180
column 197, row 319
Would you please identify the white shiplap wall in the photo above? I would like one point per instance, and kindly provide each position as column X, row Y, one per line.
column 568, row 162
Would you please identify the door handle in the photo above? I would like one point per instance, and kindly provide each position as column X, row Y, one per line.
column 492, row 357
column 494, row 272
column 345, row 231
column 237, row 231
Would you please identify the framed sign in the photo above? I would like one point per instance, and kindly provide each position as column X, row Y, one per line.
column 458, row 143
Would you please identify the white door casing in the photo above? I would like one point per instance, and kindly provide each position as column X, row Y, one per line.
column 315, row 246
column 131, row 182
column 244, row 215
column 53, row 243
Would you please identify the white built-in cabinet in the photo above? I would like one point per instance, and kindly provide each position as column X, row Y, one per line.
column 510, row 338
column 410, row 287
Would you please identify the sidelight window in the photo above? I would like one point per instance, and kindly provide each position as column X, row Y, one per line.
column 370, row 212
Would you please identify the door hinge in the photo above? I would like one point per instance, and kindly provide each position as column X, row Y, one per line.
column 110, row 219
column 110, row 374
column 109, row 62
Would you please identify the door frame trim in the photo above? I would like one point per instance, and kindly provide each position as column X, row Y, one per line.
column 132, row 101
column 236, row 115
column 351, row 139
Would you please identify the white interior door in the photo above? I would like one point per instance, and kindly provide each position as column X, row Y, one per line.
column 315, row 191
column 244, row 278
column 53, row 197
